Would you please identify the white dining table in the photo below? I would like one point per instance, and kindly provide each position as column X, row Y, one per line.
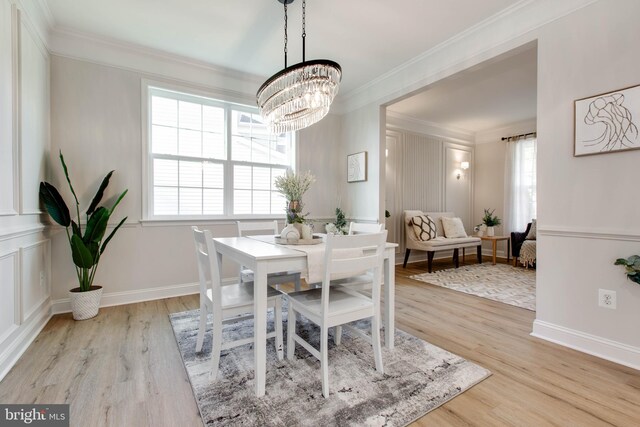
column 263, row 256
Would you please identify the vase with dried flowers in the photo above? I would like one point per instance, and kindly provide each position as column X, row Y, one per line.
column 293, row 186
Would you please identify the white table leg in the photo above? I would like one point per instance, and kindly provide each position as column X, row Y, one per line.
column 389, row 298
column 260, row 327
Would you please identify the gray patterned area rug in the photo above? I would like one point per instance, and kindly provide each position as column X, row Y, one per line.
column 500, row 282
column 418, row 378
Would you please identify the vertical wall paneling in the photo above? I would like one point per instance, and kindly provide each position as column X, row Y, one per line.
column 35, row 289
column 458, row 192
column 422, row 173
column 9, row 294
column 8, row 195
column 33, row 129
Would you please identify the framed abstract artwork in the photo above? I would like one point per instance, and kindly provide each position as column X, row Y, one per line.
column 357, row 167
column 608, row 122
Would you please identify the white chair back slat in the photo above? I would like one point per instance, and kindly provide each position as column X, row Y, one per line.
column 246, row 228
column 365, row 228
column 359, row 259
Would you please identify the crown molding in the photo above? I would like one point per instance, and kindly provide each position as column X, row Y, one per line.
column 69, row 43
column 401, row 121
column 504, row 31
column 442, row 46
column 46, row 12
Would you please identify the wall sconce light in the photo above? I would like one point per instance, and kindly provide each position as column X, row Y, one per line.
column 464, row 166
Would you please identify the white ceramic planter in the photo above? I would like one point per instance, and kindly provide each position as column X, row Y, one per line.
column 491, row 231
column 85, row 305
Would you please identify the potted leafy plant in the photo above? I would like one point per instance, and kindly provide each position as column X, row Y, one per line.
column 340, row 226
column 490, row 221
column 632, row 267
column 86, row 241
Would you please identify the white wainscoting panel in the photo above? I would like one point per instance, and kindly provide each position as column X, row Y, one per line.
column 9, row 294
column 35, row 287
column 34, row 115
column 7, row 143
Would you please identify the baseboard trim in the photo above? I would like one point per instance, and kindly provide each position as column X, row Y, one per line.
column 109, row 299
column 23, row 340
column 603, row 348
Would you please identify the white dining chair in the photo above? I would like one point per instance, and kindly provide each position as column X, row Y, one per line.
column 364, row 228
column 228, row 303
column 333, row 305
column 273, row 279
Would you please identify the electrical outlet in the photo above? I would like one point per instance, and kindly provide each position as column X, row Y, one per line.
column 43, row 280
column 607, row 298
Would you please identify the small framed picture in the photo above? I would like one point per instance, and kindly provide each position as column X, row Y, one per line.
column 357, row 167
column 608, row 122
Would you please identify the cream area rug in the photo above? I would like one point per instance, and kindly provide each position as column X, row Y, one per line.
column 500, row 282
column 418, row 378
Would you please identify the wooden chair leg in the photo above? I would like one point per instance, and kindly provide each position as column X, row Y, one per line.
column 216, row 345
column 324, row 360
column 202, row 326
column 456, row 257
column 375, row 342
column 277, row 318
column 430, row 255
column 337, row 338
column 406, row 258
column 291, row 330
column 479, row 249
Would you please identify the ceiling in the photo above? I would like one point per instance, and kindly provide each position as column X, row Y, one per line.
column 489, row 96
column 366, row 37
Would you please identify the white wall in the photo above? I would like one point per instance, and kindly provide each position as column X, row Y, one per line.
column 318, row 151
column 96, row 122
column 24, row 144
column 588, row 210
column 363, row 130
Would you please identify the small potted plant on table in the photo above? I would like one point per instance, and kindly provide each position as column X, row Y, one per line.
column 86, row 242
column 490, row 221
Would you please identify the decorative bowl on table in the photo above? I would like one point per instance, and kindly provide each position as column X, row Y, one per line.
column 314, row 241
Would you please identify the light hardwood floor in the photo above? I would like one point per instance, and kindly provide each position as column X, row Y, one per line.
column 123, row 368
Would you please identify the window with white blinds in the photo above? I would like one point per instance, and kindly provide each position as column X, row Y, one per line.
column 210, row 158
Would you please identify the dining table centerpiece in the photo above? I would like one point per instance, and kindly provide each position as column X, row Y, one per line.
column 293, row 186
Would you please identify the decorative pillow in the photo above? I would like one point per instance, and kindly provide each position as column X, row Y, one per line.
column 453, row 227
column 424, row 227
column 532, row 231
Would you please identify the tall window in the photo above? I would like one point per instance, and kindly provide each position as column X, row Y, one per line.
column 211, row 158
column 520, row 184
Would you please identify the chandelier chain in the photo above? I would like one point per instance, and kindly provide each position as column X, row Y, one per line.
column 285, row 34
column 304, row 27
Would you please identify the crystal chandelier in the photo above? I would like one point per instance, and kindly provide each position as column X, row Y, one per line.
column 300, row 95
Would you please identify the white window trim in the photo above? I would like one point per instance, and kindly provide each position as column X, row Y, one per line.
column 147, row 179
